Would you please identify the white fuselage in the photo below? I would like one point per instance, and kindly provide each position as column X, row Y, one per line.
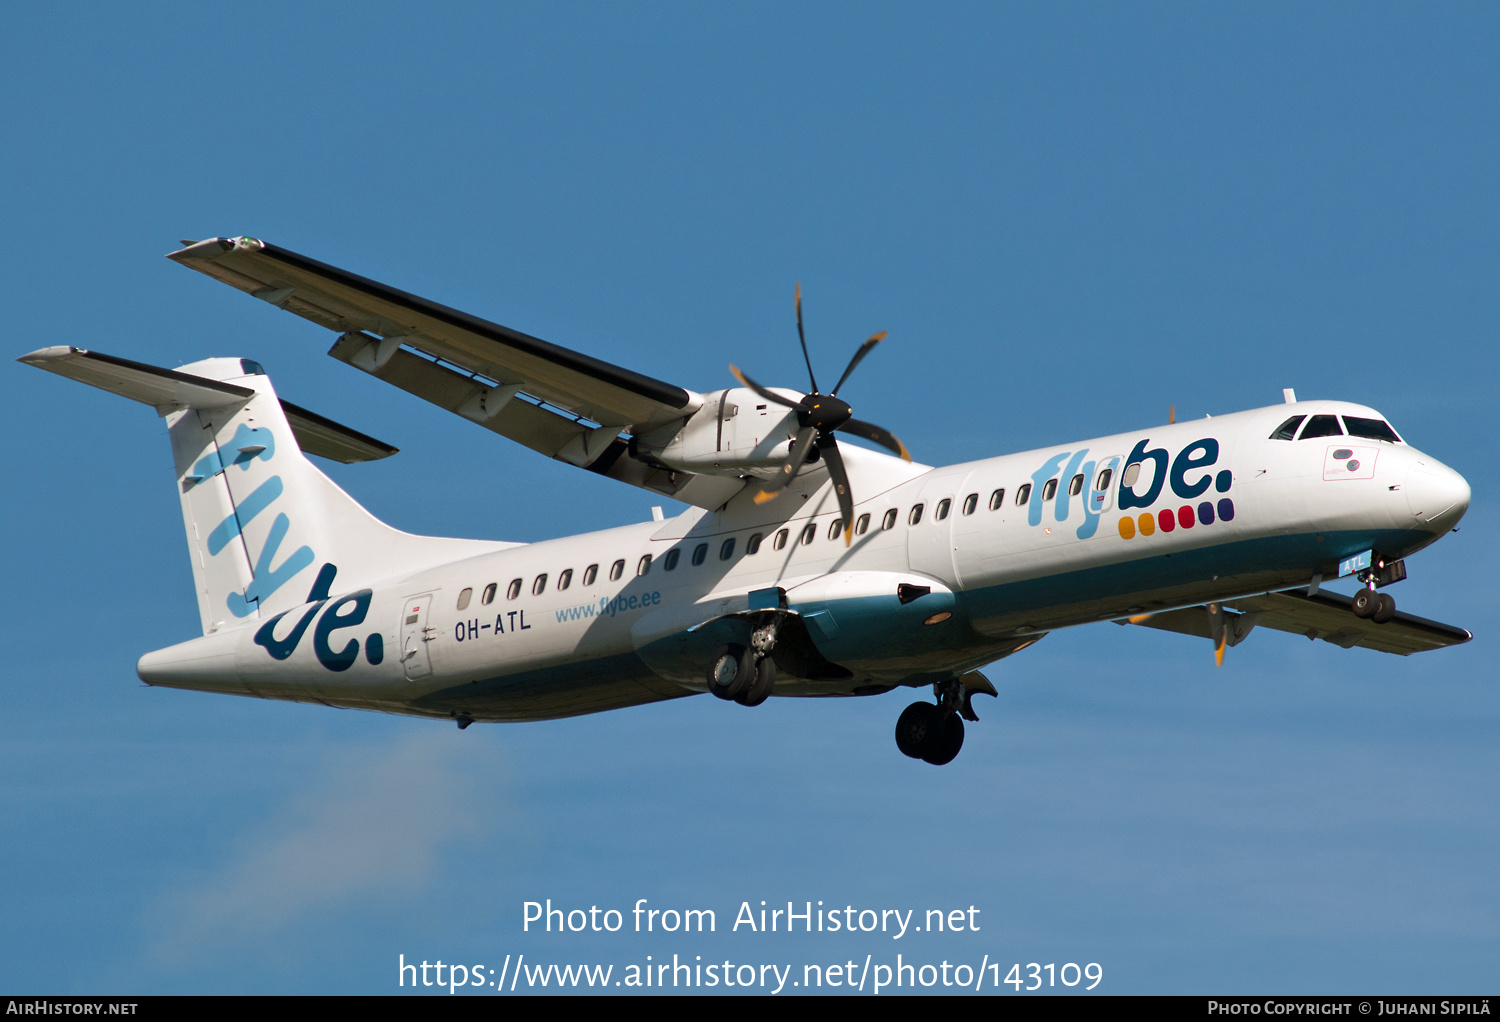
column 1215, row 511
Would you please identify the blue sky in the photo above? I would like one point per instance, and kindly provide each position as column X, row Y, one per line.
column 1068, row 217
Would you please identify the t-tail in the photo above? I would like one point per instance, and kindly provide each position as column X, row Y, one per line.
column 266, row 529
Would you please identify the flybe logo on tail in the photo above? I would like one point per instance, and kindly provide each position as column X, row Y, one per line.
column 248, row 445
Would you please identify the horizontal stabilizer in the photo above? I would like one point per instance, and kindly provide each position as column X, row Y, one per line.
column 168, row 390
column 148, row 384
column 333, row 440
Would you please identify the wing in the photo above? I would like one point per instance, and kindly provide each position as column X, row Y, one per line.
column 1327, row 616
column 561, row 403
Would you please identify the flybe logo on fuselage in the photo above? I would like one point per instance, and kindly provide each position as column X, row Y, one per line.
column 1188, row 476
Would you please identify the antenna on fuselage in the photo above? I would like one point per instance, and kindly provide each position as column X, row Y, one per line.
column 1171, row 414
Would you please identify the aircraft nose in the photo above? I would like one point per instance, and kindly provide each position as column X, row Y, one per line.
column 1436, row 495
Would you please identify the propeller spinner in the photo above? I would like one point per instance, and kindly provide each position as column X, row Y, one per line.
column 819, row 416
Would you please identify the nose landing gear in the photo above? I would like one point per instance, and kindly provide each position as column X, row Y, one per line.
column 1378, row 607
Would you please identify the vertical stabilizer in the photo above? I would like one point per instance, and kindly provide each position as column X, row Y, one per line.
column 267, row 531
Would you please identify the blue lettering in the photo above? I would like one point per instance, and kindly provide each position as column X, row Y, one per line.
column 265, row 581
column 340, row 660
column 1040, row 476
column 259, row 499
column 280, row 649
column 1128, row 497
column 1186, row 461
column 234, row 453
column 1064, row 495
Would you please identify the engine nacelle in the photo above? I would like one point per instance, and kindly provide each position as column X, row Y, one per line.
column 736, row 433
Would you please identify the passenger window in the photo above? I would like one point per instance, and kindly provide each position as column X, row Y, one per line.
column 915, row 516
column 753, row 546
column 889, row 521
column 673, row 555
column 781, row 538
column 590, row 573
column 1049, row 489
column 1075, row 485
column 835, row 527
column 513, row 590
column 997, row 498
column 944, row 506
column 862, row 525
column 970, row 503
column 1104, row 478
column 463, row 599
column 616, row 570
column 1023, row 494
column 488, row 596
column 1321, row 425
column 1288, row 429
column 1371, row 429
column 643, row 565
column 1132, row 473
column 565, row 579
column 727, row 550
column 539, row 586
column 808, row 532
column 700, row 554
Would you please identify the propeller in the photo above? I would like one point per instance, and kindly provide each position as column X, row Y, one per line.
column 819, row 416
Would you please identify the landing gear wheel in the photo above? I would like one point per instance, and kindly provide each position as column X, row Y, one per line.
column 1365, row 603
column 759, row 689
column 1385, row 609
column 949, row 739
column 730, row 671
column 917, row 729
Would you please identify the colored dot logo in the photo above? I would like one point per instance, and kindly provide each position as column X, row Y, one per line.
column 1184, row 517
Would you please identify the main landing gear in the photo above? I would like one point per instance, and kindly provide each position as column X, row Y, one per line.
column 935, row 734
column 741, row 674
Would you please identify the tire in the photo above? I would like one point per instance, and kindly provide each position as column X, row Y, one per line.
column 950, row 738
column 1385, row 609
column 1364, row 603
column 761, row 683
column 730, row 671
column 918, row 730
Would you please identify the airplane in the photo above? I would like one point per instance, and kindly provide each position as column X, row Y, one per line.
column 802, row 567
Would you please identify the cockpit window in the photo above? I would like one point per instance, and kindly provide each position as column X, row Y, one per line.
column 1371, row 429
column 1321, row 425
column 1288, row 429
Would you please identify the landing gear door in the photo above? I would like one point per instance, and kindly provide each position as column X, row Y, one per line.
column 415, row 635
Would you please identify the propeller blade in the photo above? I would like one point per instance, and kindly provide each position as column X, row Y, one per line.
column 802, row 448
column 829, row 447
column 803, row 338
column 763, row 392
column 873, row 433
column 864, row 349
